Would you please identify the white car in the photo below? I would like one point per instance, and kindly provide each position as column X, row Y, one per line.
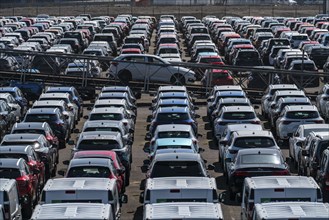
column 297, row 140
column 322, row 99
column 293, row 116
column 137, row 67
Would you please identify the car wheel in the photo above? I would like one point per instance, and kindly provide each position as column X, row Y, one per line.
column 177, row 79
column 125, row 76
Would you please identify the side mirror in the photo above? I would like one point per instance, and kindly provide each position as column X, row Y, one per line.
column 124, row 198
column 71, row 142
column 86, row 117
column 141, row 197
column 61, row 172
column 210, row 167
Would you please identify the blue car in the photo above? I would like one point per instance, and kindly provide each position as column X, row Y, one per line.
column 173, row 115
column 18, row 95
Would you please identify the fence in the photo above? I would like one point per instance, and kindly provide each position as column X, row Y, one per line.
column 263, row 76
column 115, row 8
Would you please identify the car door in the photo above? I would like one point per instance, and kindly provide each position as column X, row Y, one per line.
column 158, row 70
column 137, row 67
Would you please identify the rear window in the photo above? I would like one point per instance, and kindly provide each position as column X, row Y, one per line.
column 302, row 114
column 172, row 116
column 174, row 134
column 238, row 115
column 89, row 171
column 176, row 168
column 105, row 116
column 174, row 147
column 102, row 129
column 210, row 60
column 260, row 159
column 254, row 142
column 98, row 145
column 40, row 118
column 299, row 37
column 16, row 156
column 9, row 173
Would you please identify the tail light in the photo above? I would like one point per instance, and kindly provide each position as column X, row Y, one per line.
column 281, row 173
column 49, row 138
column 255, row 122
column 318, row 121
column 114, row 63
column 240, row 173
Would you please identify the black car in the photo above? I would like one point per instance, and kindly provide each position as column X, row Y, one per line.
column 56, row 120
column 254, row 162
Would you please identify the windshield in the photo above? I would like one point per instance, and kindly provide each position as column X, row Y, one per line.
column 89, row 171
column 238, row 115
column 172, row 116
column 106, row 116
column 260, row 159
column 98, row 145
column 176, row 168
column 9, row 173
column 302, row 115
column 14, row 155
column 254, row 142
column 29, row 131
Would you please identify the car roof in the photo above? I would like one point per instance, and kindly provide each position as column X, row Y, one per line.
column 102, row 123
column 100, row 135
column 234, row 100
column 174, row 101
column 110, row 101
column 310, row 126
column 181, row 182
column 22, row 137
column 289, row 92
column 15, row 149
column 177, row 157
column 301, row 107
column 43, row 111
column 54, row 94
column 173, row 127
column 259, row 151
column 295, row 99
column 10, row 162
column 282, row 181
column 173, row 141
column 90, row 162
column 238, row 108
column 250, row 133
column 107, row 110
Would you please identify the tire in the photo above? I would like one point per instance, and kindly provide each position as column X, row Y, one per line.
column 125, row 76
column 177, row 79
column 27, row 212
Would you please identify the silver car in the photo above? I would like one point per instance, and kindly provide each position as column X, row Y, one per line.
column 138, row 67
column 322, row 99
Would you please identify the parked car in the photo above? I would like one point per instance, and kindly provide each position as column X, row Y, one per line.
column 18, row 95
column 132, row 67
column 254, row 162
column 27, row 182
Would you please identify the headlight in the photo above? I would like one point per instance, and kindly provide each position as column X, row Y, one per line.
column 36, row 146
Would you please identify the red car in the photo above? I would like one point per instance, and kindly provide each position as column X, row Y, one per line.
column 104, row 154
column 27, row 181
column 214, row 77
column 31, row 158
